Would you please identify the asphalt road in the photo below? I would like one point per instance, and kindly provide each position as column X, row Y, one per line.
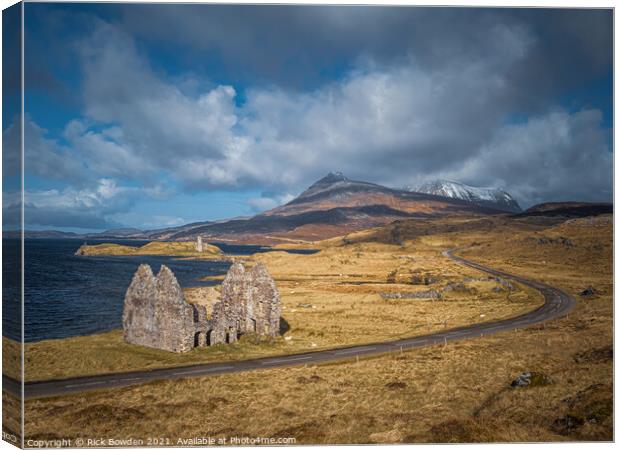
column 557, row 304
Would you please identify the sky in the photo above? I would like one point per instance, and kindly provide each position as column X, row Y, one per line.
column 154, row 115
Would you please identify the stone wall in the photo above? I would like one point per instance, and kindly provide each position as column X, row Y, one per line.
column 157, row 315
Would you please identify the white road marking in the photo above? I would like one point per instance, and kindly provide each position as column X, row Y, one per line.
column 213, row 369
column 130, row 379
column 354, row 350
column 276, row 361
column 93, row 383
column 455, row 333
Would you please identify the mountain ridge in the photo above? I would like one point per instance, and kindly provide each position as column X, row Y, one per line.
column 483, row 196
column 332, row 206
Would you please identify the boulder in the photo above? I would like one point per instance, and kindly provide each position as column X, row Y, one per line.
column 530, row 379
column 587, row 292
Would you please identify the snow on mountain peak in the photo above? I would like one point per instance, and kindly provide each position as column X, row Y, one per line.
column 483, row 196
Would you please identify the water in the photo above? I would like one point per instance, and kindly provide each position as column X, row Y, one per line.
column 67, row 295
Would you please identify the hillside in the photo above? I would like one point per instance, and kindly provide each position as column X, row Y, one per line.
column 333, row 206
column 569, row 209
column 482, row 196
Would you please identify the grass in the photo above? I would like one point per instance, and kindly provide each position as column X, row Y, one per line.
column 330, row 299
column 454, row 393
column 152, row 248
column 459, row 392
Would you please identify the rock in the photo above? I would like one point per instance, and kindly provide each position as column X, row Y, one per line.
column 567, row 424
column 432, row 293
column 530, row 379
column 504, row 283
column 559, row 241
column 304, row 305
column 587, row 292
column 593, row 405
column 422, row 280
column 82, row 250
column 456, row 287
column 311, row 379
column 595, row 355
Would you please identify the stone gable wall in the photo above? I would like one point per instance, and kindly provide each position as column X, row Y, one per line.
column 157, row 315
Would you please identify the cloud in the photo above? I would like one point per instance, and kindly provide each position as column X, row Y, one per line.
column 410, row 94
column 389, row 118
column 94, row 207
column 269, row 201
column 555, row 157
column 147, row 221
column 43, row 156
column 261, row 43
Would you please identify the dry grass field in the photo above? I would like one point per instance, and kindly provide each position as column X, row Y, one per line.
column 460, row 392
column 330, row 299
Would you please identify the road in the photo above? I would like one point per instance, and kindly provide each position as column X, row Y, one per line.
column 557, row 304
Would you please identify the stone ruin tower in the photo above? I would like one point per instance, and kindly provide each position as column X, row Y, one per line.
column 199, row 246
column 157, row 315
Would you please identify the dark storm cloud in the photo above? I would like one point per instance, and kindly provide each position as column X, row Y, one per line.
column 271, row 98
column 301, row 45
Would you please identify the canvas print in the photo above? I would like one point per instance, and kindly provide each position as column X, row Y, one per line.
column 306, row 224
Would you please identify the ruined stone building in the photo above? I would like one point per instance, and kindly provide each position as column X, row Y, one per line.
column 157, row 315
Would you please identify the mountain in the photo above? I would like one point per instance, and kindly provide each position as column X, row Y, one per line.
column 118, row 233
column 487, row 197
column 333, row 206
column 45, row 234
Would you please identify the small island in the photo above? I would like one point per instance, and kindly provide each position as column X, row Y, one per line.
column 196, row 249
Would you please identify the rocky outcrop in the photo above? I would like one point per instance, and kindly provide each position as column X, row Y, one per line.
column 82, row 250
column 530, row 379
column 157, row 315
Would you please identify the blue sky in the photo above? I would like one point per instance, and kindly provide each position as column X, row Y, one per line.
column 156, row 115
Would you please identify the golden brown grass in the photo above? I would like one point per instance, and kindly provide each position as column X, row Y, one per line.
column 459, row 392
column 11, row 418
column 454, row 393
column 11, row 358
column 330, row 299
column 153, row 248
